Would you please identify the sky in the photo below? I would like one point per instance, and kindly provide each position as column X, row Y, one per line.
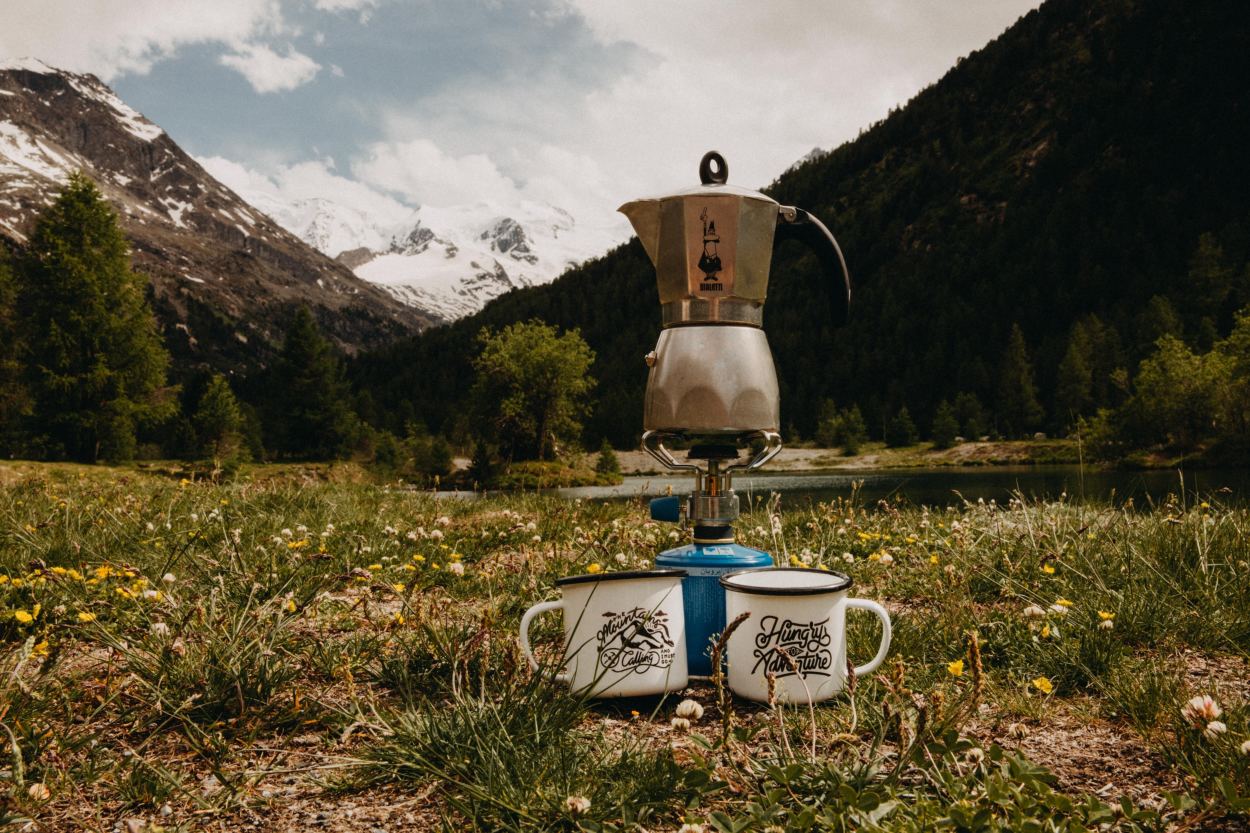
column 385, row 105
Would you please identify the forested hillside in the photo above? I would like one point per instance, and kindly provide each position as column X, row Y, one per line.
column 1082, row 176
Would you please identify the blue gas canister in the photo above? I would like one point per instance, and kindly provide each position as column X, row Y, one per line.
column 704, row 598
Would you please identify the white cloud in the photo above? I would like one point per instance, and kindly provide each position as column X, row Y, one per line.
column 110, row 38
column 269, row 72
column 425, row 174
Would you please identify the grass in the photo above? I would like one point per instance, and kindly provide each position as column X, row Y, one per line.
column 289, row 651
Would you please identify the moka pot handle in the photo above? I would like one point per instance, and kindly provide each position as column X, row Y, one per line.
column 797, row 224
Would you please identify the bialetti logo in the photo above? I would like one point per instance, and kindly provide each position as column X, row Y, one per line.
column 709, row 258
column 806, row 644
column 635, row 641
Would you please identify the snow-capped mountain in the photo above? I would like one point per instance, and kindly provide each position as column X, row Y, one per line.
column 224, row 275
column 445, row 261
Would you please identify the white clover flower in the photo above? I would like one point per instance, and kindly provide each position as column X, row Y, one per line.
column 848, row 558
column 390, row 530
column 1106, row 624
column 1245, row 747
column 152, row 595
column 620, row 558
column 577, row 804
column 842, row 531
column 443, row 520
column 1201, row 709
column 456, row 568
column 537, row 539
column 437, row 534
column 285, row 533
column 1214, row 729
column 531, row 526
column 886, row 558
column 150, row 526
column 168, row 578
column 689, row 709
column 411, row 535
column 194, row 517
column 680, row 724
column 1034, row 612
column 1059, row 610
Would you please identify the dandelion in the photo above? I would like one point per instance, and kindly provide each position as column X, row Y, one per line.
column 374, row 567
column 1048, row 569
column 577, row 804
column 290, row 605
column 1062, row 602
column 1043, row 685
column 84, row 617
column 1201, row 709
column 1045, row 631
column 40, row 649
column 690, row 709
column 956, row 668
column 22, row 616
column 1105, row 616
column 1034, row 612
column 594, row 569
column 933, row 559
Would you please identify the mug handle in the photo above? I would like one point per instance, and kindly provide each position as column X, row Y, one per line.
column 541, row 607
column 886, row 631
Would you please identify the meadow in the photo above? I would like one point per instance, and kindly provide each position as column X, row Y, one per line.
column 295, row 653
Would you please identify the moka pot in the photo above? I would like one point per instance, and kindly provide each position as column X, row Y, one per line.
column 712, row 383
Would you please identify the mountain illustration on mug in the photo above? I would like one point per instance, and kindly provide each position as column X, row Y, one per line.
column 635, row 640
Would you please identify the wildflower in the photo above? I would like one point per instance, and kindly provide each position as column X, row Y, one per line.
column 290, row 605
column 933, row 559
column 1062, row 602
column 1214, row 729
column 1204, row 505
column 398, row 587
column 1059, row 609
column 398, row 618
column 620, row 558
column 455, row 556
column 153, row 595
column 1043, row 685
column 848, row 558
column 680, row 724
column 168, row 578
column 1105, row 616
column 887, row 559
column 418, row 558
column 1034, row 612
column 1201, row 709
column 692, row 828
column 455, row 568
column 1106, row 624
column 3, row 579
column 1045, row 631
column 537, row 539
column 956, row 668
column 446, row 521
column 373, row 567
column 594, row 568
column 41, row 650
column 1245, row 747
column 634, row 713
column 689, row 709
column 1048, row 569
column 23, row 617
column 577, row 804
column 85, row 617
column 39, row 792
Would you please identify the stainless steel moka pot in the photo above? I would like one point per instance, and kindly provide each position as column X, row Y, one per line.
column 712, row 383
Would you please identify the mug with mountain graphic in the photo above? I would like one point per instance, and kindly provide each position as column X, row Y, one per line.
column 624, row 633
column 793, row 640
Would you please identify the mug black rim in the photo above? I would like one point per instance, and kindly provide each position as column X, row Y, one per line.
column 786, row 591
column 588, row 577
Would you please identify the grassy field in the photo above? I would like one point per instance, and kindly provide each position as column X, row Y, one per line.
column 301, row 654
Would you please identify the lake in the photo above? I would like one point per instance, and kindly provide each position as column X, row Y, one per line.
column 947, row 486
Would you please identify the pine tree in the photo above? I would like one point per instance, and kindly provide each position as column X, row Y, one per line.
column 14, row 403
column 851, row 432
column 901, row 430
column 310, row 414
column 1018, row 407
column 1074, row 381
column 607, row 462
column 94, row 362
column 945, row 426
column 971, row 416
column 218, row 421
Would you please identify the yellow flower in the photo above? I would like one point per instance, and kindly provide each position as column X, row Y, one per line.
column 933, row 559
column 398, row 618
column 1048, row 569
column 23, row 617
column 59, row 571
column 1045, row 631
column 1204, row 505
column 224, row 502
column 455, row 556
column 1063, row 602
column 184, row 482
column 290, row 605
column 73, row 574
column 956, row 668
column 85, row 617
column 398, row 587
column 3, row 579
column 594, row 568
column 418, row 558
column 410, row 568
column 373, row 567
column 41, row 649
column 1105, row 616
column 17, row 582
column 1043, row 685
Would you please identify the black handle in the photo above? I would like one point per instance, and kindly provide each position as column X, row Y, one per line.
column 797, row 224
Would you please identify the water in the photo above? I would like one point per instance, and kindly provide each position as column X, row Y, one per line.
column 947, row 486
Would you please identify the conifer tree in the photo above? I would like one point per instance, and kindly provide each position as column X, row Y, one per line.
column 94, row 362
column 901, row 430
column 945, row 426
column 1074, row 382
column 218, row 420
column 971, row 415
column 14, row 402
column 1018, row 407
column 310, row 415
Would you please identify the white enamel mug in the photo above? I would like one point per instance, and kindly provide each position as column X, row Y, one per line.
column 796, row 631
column 624, row 633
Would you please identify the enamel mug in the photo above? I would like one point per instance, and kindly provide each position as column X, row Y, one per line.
column 624, row 633
column 796, row 631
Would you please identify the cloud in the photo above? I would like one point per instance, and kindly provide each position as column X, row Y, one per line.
column 423, row 173
column 111, row 39
column 269, row 72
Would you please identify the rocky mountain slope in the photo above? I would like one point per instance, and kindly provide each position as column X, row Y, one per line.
column 224, row 276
